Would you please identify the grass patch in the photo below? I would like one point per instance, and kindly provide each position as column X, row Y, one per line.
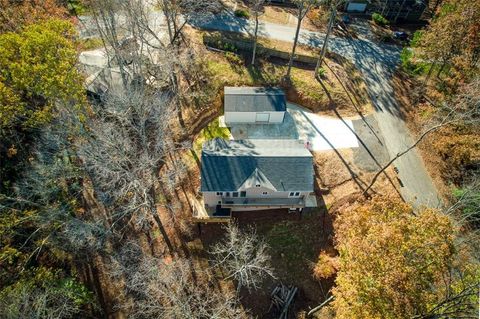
column 90, row 44
column 307, row 87
column 240, row 13
column 285, row 243
column 294, row 244
column 224, row 73
column 211, row 131
column 229, row 69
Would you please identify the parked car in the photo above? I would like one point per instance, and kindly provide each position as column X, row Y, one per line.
column 400, row 35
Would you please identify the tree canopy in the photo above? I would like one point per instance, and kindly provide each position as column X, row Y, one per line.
column 15, row 14
column 453, row 36
column 392, row 261
column 37, row 70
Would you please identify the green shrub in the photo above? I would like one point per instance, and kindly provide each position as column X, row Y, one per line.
column 242, row 14
column 379, row 19
column 321, row 72
column 234, row 59
column 218, row 42
column 411, row 67
column 228, row 47
column 417, row 37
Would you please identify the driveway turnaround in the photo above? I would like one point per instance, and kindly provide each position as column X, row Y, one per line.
column 320, row 132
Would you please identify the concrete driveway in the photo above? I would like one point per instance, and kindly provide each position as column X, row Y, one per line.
column 321, row 132
column 377, row 62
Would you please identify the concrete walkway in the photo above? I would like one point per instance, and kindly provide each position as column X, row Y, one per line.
column 321, row 132
column 377, row 62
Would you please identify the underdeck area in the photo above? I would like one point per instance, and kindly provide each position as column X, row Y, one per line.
column 223, row 212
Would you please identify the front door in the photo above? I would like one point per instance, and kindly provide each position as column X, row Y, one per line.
column 262, row 117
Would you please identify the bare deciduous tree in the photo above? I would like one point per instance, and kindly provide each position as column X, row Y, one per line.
column 332, row 6
column 52, row 187
column 303, row 6
column 168, row 289
column 244, row 257
column 180, row 12
column 130, row 138
column 27, row 301
column 256, row 6
column 134, row 37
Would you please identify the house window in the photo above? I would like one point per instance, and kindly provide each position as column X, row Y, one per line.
column 243, row 194
column 265, row 193
column 219, row 202
column 235, row 194
column 219, row 193
column 258, row 185
column 297, row 194
column 293, row 194
column 227, row 194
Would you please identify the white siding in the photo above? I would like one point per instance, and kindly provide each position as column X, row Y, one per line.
column 276, row 117
column 240, row 117
column 249, row 117
column 212, row 199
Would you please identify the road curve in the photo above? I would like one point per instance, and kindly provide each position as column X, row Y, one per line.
column 377, row 64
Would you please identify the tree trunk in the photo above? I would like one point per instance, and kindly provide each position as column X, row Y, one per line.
column 317, row 308
column 384, row 7
column 430, row 72
column 299, row 23
column 399, row 10
column 444, row 63
column 333, row 14
column 255, row 36
column 156, row 217
column 109, row 35
column 167, row 18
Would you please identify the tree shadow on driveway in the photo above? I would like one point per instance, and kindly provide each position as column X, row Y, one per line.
column 361, row 141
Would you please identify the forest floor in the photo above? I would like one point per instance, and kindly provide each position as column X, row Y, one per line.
column 295, row 240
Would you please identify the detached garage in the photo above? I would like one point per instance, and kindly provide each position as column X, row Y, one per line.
column 254, row 105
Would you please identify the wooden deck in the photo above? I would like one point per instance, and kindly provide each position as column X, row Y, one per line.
column 213, row 215
column 202, row 215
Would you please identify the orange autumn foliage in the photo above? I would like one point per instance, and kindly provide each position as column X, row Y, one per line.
column 389, row 259
column 15, row 14
column 326, row 266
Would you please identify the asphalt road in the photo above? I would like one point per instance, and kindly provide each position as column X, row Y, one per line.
column 377, row 62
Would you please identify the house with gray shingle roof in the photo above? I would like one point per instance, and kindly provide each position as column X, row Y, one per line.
column 262, row 105
column 256, row 174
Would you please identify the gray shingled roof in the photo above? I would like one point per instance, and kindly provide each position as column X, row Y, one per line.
column 226, row 165
column 254, row 99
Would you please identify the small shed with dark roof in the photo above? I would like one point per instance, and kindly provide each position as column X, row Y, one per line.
column 262, row 105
